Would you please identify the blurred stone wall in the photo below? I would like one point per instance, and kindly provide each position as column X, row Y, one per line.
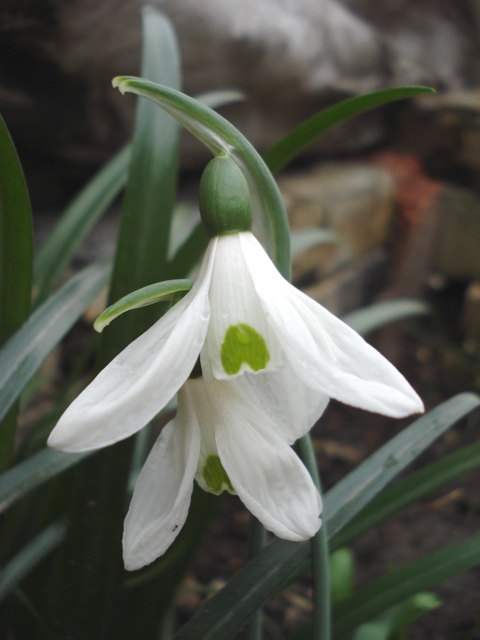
column 292, row 57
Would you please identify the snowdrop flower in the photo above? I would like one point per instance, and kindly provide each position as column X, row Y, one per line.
column 271, row 358
column 245, row 321
column 223, row 441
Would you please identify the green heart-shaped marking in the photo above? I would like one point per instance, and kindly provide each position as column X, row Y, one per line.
column 243, row 344
column 215, row 476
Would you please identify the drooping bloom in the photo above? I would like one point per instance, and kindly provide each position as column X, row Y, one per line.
column 225, row 442
column 241, row 317
column 271, row 358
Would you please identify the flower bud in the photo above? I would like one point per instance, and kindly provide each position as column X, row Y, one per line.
column 225, row 204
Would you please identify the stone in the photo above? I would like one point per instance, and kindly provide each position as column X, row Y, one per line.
column 354, row 200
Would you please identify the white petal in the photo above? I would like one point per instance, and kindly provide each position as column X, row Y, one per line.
column 234, row 303
column 140, row 381
column 326, row 353
column 286, row 399
column 202, row 403
column 163, row 490
column 265, row 472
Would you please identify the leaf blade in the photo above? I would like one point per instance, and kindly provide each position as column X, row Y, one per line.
column 284, row 151
column 22, row 355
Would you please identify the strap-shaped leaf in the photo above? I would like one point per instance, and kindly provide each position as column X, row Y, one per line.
column 371, row 600
column 381, row 314
column 224, row 614
column 142, row 298
column 22, row 355
column 76, row 222
column 297, row 140
column 222, row 138
column 33, row 472
column 16, row 256
column 29, row 557
column 415, row 487
column 303, row 239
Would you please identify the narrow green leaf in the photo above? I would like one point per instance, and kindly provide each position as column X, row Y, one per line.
column 221, row 137
column 141, row 255
column 90, row 204
column 378, row 630
column 143, row 297
column 350, row 495
column 391, row 624
column 224, row 614
column 381, row 314
column 77, row 221
column 303, row 239
column 22, row 355
column 189, row 253
column 405, row 613
column 278, row 156
column 220, row 97
column 16, row 239
column 29, row 557
column 16, row 257
column 34, row 472
column 342, row 572
column 416, row 486
column 140, row 260
column 371, row 600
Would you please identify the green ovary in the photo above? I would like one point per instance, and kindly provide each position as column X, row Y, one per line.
column 243, row 344
column 215, row 475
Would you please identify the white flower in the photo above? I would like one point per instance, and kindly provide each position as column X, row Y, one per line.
column 224, row 441
column 245, row 320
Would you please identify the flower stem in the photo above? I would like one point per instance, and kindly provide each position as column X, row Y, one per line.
column 320, row 565
column 256, row 542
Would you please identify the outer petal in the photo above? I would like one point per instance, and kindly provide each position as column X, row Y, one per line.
column 265, row 472
column 326, row 353
column 163, row 490
column 234, row 302
column 286, row 399
column 140, row 381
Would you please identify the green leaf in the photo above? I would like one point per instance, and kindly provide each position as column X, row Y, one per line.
column 403, row 614
column 141, row 255
column 16, row 256
column 371, row 600
column 278, row 563
column 29, row 557
column 416, row 486
column 34, row 472
column 77, row 221
column 189, row 253
column 278, row 156
column 144, row 297
column 90, row 204
column 342, row 572
column 22, row 355
column 381, row 314
column 303, row 239
column 222, row 138
column 141, row 260
column 220, row 97
column 378, row 630
column 350, row 495
column 16, row 239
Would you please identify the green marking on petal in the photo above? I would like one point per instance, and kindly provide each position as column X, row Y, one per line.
column 215, row 475
column 243, row 344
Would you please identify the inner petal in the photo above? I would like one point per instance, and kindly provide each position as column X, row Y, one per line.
column 210, row 475
column 239, row 336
